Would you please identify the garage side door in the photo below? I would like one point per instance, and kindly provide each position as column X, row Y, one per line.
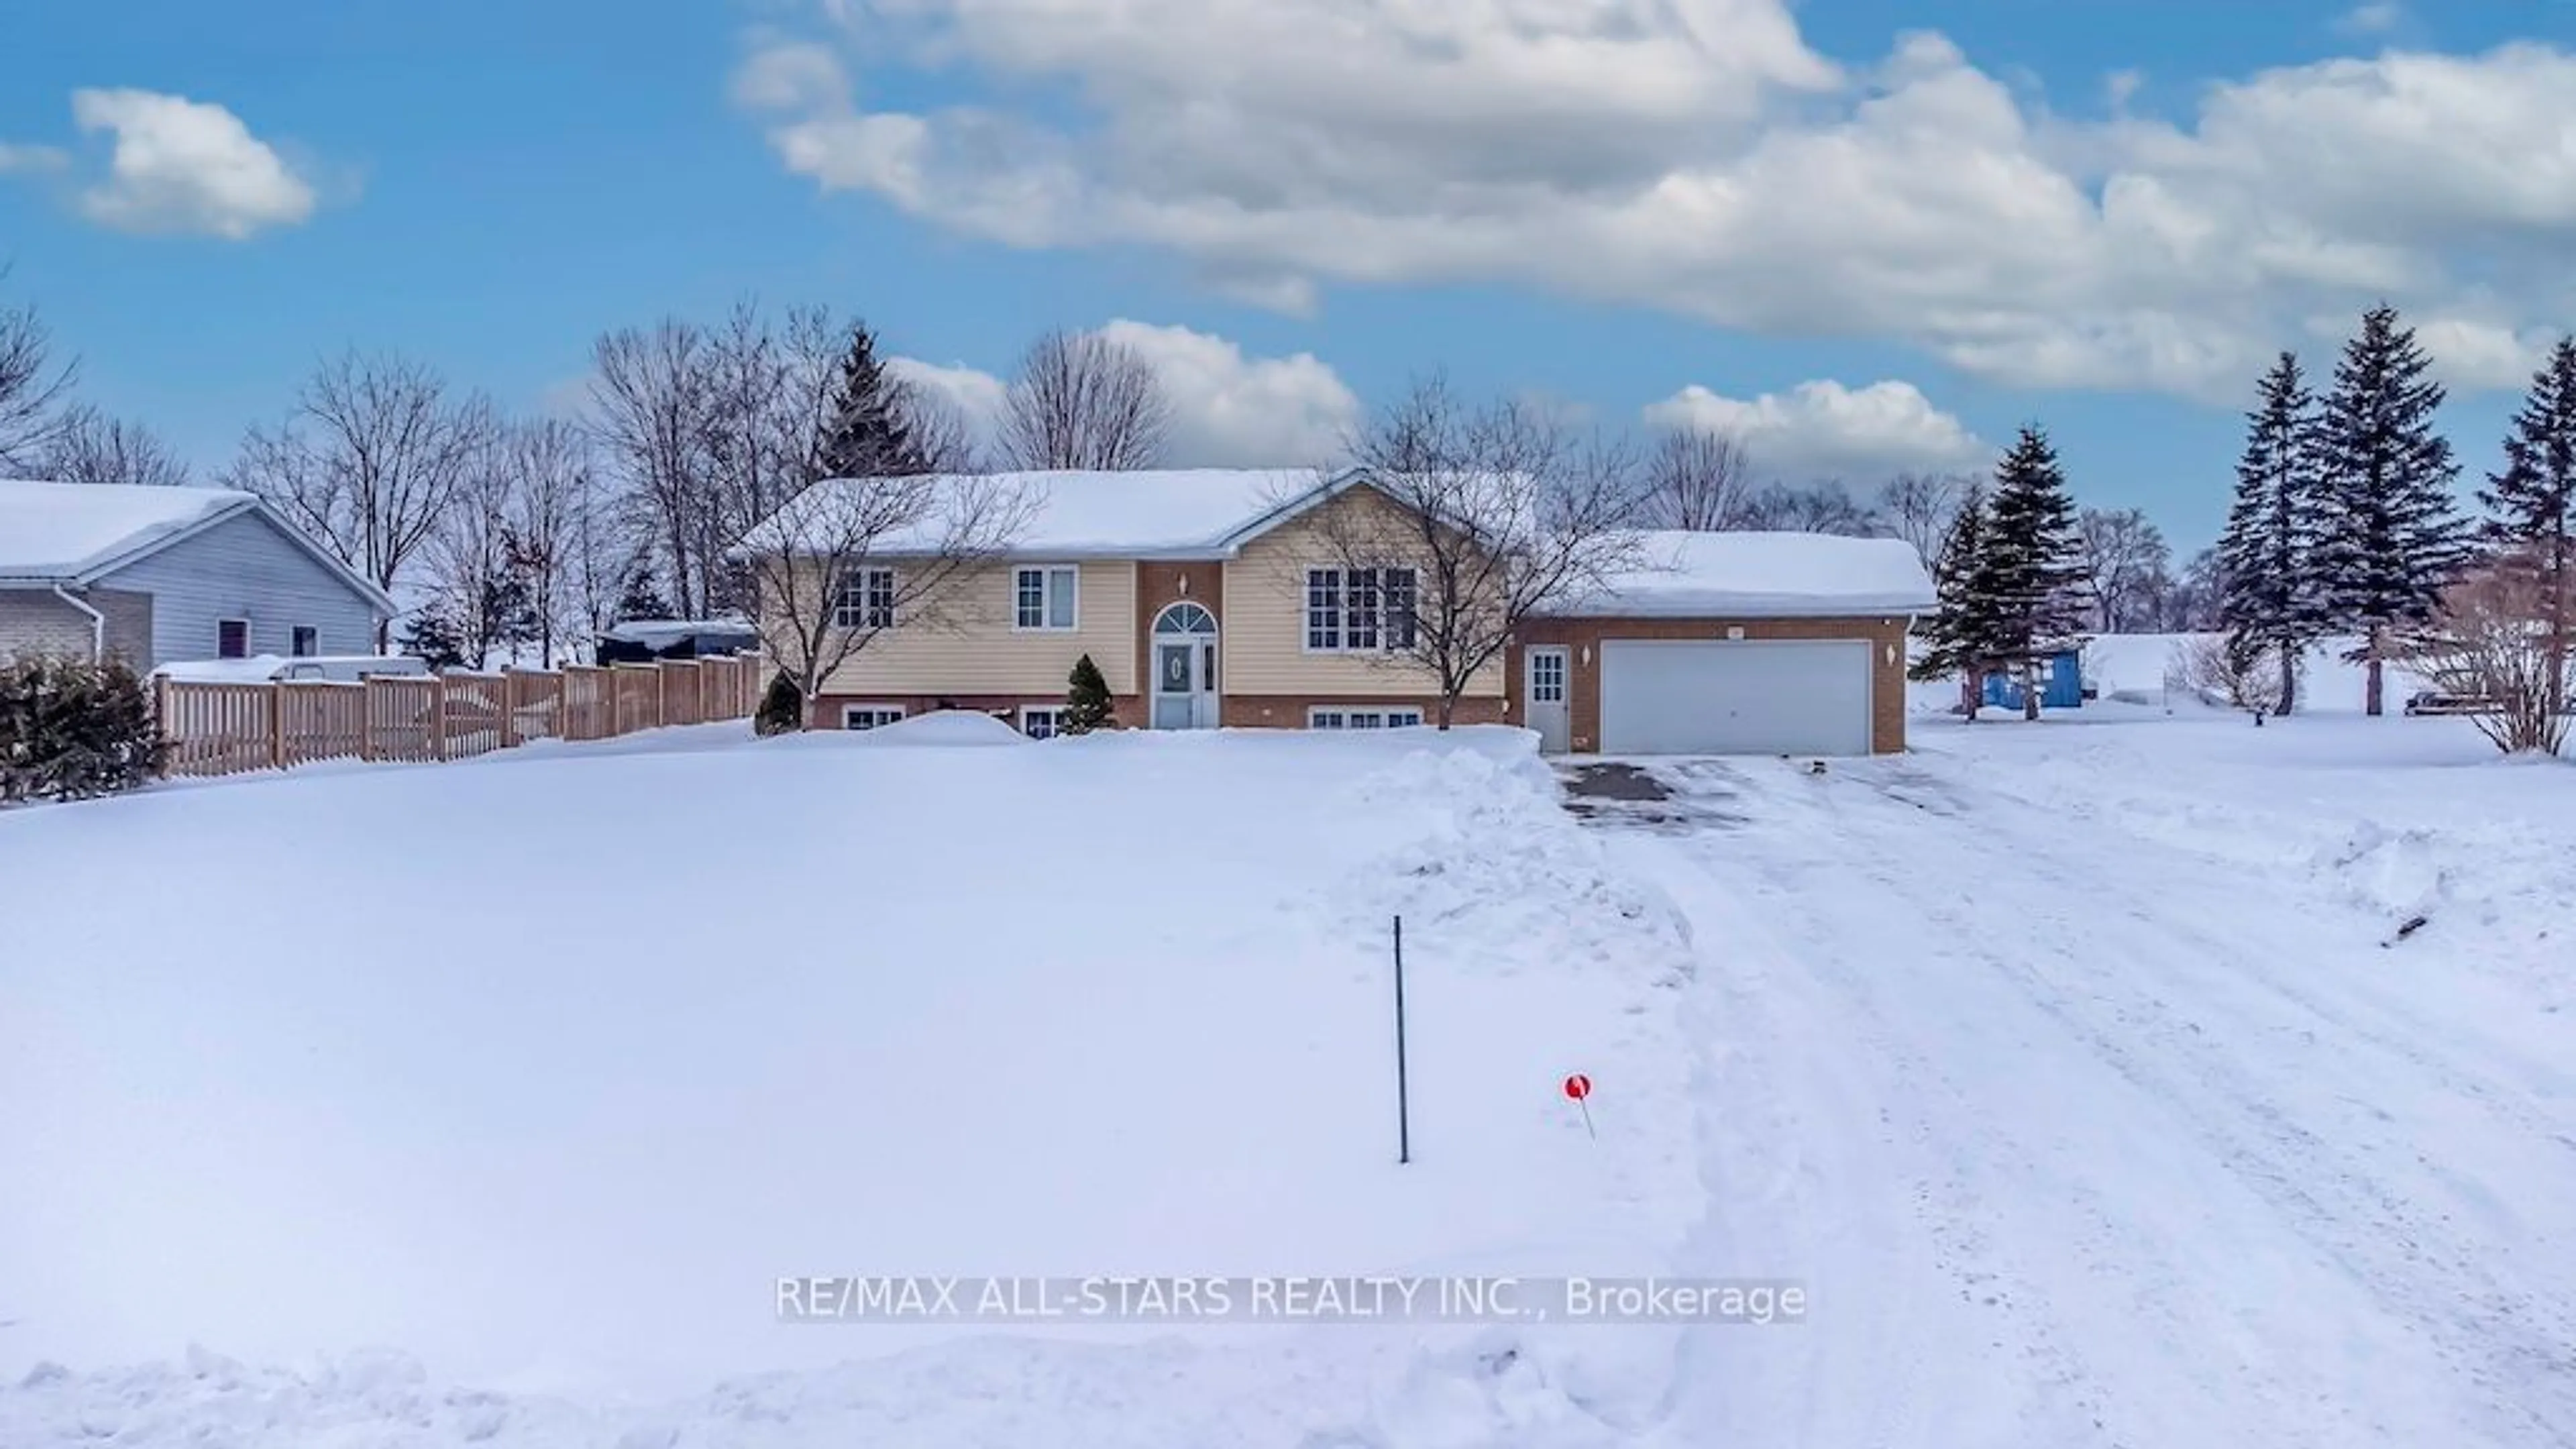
column 1730, row 697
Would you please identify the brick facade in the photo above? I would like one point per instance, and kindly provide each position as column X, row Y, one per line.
column 1583, row 663
column 825, row 711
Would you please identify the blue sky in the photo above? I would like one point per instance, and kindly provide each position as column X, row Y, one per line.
column 1863, row 246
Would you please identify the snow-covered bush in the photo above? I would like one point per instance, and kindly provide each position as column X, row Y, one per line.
column 70, row 729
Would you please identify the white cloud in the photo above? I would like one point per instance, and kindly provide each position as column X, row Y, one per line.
column 1823, row 429
column 1229, row 410
column 186, row 166
column 1696, row 156
column 1236, row 411
column 2378, row 17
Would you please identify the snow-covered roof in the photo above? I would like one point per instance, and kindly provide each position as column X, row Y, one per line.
column 663, row 633
column 76, row 533
column 1173, row 513
column 71, row 532
column 1764, row 575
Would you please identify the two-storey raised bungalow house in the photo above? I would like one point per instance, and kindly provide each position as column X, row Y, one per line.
column 1220, row 598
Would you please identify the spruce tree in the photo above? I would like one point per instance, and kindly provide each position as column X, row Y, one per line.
column 2268, row 600
column 2030, row 568
column 1087, row 705
column 865, row 433
column 2531, row 505
column 2389, row 538
column 1958, row 637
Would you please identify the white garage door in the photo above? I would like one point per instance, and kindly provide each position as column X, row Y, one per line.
column 1748, row 697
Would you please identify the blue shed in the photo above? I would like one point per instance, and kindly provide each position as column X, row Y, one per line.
column 2061, row 683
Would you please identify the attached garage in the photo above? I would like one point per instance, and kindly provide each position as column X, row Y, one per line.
column 1729, row 644
column 1735, row 697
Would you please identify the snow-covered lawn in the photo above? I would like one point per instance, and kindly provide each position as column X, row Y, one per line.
column 2064, row 1063
column 542, row 1069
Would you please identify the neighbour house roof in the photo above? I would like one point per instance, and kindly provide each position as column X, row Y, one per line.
column 1160, row 513
column 1763, row 575
column 78, row 533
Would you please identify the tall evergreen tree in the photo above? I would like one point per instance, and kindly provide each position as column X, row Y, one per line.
column 1958, row 636
column 2032, row 562
column 2389, row 537
column 867, row 434
column 2531, row 505
column 2268, row 598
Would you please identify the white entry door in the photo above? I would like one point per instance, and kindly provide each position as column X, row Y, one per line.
column 1544, row 692
column 1737, row 697
column 1184, row 684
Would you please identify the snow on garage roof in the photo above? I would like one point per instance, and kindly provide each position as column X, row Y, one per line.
column 70, row 532
column 1764, row 575
column 1186, row 512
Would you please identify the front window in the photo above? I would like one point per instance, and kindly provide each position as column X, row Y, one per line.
column 1042, row 722
column 1360, row 611
column 870, row 716
column 1547, row 676
column 865, row 600
column 1043, row 598
column 232, row 638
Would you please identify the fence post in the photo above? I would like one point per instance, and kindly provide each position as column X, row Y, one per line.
column 438, row 718
column 276, row 725
column 367, row 717
column 509, row 706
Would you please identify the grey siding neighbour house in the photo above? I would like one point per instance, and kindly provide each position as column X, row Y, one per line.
column 163, row 569
column 245, row 568
column 35, row 621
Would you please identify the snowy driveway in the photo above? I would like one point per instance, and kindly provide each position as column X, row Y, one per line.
column 2086, row 1138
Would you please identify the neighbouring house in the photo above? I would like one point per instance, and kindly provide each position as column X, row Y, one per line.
column 1216, row 597
column 154, row 575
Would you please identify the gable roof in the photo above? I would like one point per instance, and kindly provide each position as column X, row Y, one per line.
column 1154, row 513
column 1763, row 575
column 78, row 533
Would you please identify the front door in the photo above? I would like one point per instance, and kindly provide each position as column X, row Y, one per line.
column 1545, row 693
column 1184, row 684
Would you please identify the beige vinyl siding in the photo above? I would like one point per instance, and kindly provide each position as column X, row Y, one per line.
column 973, row 649
column 1264, row 626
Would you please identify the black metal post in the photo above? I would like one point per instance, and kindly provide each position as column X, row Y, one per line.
column 1403, row 1101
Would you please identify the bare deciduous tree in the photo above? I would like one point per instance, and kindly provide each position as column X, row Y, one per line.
column 1821, row 507
column 2493, row 641
column 1699, row 480
column 367, row 461
column 1918, row 507
column 940, row 429
column 1484, row 517
column 2206, row 667
column 31, row 386
column 549, row 523
column 844, row 561
column 91, row 447
column 652, row 409
column 1082, row 400
column 2123, row 557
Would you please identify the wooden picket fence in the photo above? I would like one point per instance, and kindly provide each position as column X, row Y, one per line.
column 227, row 729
